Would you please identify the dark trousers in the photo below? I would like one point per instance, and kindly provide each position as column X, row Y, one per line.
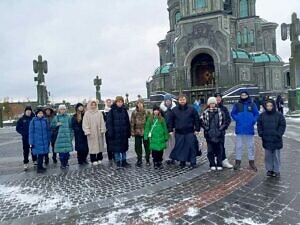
column 157, row 156
column 215, row 150
column 40, row 160
column 54, row 154
column 96, row 157
column 64, row 158
column 82, row 155
column 223, row 149
column 26, row 151
column 110, row 154
column 138, row 145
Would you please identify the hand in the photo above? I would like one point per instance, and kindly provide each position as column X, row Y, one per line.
column 196, row 133
column 58, row 124
column 171, row 133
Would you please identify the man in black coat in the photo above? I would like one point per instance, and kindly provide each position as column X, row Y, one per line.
column 22, row 128
column 227, row 121
column 185, row 121
column 271, row 126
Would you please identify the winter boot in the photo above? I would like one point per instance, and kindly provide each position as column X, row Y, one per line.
column 139, row 163
column 252, row 165
column 125, row 164
column 41, row 170
column 119, row 165
column 182, row 164
column 237, row 165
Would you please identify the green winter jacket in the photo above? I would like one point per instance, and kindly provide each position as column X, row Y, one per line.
column 159, row 134
column 63, row 143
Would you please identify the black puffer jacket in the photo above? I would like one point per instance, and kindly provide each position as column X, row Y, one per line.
column 80, row 138
column 118, row 128
column 271, row 126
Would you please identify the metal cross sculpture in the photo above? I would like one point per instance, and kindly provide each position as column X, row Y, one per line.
column 40, row 67
column 98, row 83
column 293, row 32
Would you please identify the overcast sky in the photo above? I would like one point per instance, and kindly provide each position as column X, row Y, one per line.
column 114, row 39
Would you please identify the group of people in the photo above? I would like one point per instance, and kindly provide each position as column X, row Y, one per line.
column 167, row 133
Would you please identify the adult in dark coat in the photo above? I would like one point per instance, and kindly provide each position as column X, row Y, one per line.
column 81, row 145
column 118, row 128
column 271, row 126
column 185, row 121
column 279, row 103
column 227, row 121
column 107, row 108
column 22, row 128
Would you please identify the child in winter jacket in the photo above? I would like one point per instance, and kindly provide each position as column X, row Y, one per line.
column 39, row 138
column 213, row 122
column 157, row 133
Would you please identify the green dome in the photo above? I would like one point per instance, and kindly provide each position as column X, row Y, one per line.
column 240, row 54
column 265, row 57
column 164, row 69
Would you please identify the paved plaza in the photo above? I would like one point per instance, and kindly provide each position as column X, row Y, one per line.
column 104, row 195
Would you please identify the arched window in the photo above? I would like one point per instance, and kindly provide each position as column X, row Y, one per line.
column 239, row 39
column 200, row 4
column 177, row 17
column 245, row 36
column 244, row 8
column 251, row 37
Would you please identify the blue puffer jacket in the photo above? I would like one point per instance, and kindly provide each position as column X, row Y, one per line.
column 63, row 143
column 39, row 136
column 245, row 114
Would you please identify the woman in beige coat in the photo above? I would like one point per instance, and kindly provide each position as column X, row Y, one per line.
column 94, row 128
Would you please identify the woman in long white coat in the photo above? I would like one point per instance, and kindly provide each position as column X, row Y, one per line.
column 94, row 128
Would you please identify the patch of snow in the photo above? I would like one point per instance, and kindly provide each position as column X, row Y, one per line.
column 192, row 212
column 245, row 221
column 154, row 215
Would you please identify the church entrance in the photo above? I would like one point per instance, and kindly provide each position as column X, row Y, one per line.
column 202, row 71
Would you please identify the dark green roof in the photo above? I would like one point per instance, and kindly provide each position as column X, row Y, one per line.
column 263, row 57
column 240, row 54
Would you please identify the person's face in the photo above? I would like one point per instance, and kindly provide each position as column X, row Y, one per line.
column 141, row 105
column 40, row 114
column 219, row 99
column 119, row 103
column 80, row 108
column 269, row 106
column 212, row 105
column 168, row 102
column 182, row 101
column 108, row 103
column 156, row 112
column 28, row 112
column 48, row 112
column 93, row 105
column 62, row 111
column 244, row 96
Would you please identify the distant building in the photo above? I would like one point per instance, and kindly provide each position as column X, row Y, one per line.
column 218, row 45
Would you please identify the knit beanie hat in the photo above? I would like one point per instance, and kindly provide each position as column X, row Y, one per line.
column 167, row 97
column 119, row 98
column 78, row 105
column 39, row 110
column 28, row 108
column 211, row 100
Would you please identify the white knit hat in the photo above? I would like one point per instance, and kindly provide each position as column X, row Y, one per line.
column 212, row 100
column 62, row 106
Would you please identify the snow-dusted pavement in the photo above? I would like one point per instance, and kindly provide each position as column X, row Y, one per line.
column 104, row 195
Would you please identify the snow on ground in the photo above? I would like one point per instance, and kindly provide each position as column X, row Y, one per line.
column 246, row 221
column 38, row 201
column 192, row 212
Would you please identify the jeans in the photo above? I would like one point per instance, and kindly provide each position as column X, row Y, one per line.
column 120, row 156
column 272, row 160
column 249, row 141
column 64, row 158
column 138, row 145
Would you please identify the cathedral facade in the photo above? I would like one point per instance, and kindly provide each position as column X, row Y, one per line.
column 218, row 45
